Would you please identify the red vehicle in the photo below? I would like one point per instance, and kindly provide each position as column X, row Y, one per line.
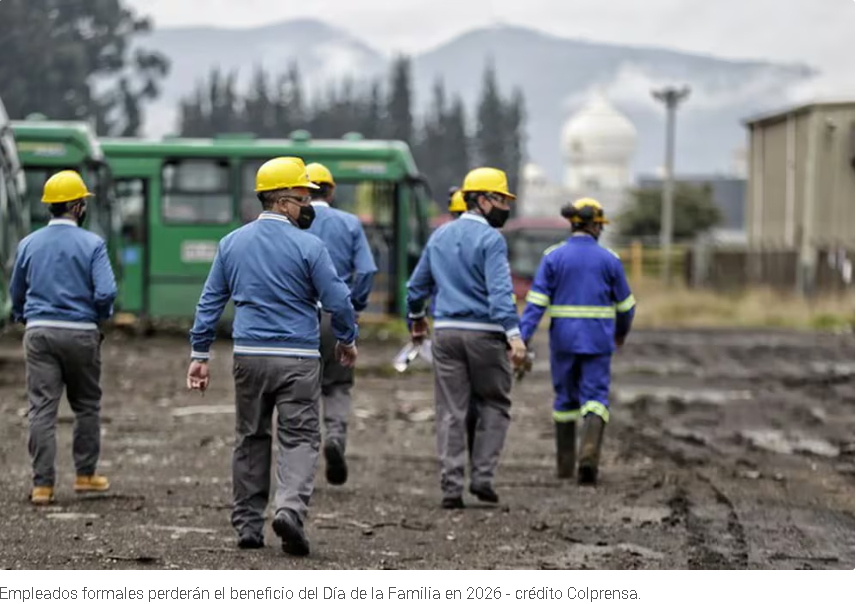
column 527, row 239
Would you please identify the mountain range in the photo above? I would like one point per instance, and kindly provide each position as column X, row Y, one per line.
column 556, row 75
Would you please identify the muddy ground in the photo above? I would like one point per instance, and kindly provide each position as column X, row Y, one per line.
column 725, row 450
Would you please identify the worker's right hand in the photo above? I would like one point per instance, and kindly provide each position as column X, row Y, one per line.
column 197, row 376
column 517, row 353
column 419, row 330
column 346, row 355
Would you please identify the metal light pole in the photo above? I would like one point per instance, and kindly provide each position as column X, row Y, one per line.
column 671, row 97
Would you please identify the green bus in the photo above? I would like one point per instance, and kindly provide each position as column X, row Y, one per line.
column 176, row 198
column 14, row 220
column 46, row 147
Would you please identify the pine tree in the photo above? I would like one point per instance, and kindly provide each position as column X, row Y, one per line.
column 373, row 112
column 491, row 137
column 399, row 116
column 457, row 142
column 258, row 106
column 515, row 113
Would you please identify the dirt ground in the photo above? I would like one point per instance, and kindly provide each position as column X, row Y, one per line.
column 725, row 450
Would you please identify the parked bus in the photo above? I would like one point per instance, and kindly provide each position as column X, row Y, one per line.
column 178, row 197
column 527, row 239
column 46, row 147
column 14, row 220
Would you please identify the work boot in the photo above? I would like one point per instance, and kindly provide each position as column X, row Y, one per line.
column 91, row 484
column 566, row 449
column 453, row 503
column 485, row 493
column 337, row 468
column 250, row 540
column 288, row 528
column 42, row 496
column 592, row 439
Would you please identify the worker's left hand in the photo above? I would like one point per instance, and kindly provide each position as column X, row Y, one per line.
column 346, row 355
column 197, row 376
column 525, row 367
column 517, row 354
column 419, row 330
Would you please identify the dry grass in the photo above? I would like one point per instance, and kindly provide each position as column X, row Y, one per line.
column 680, row 307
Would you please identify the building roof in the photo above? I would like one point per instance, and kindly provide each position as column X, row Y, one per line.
column 792, row 109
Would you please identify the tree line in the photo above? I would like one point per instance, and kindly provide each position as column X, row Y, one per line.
column 444, row 143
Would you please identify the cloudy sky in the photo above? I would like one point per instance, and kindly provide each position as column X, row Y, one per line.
column 817, row 32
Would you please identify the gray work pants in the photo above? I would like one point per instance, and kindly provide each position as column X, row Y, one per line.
column 68, row 358
column 292, row 387
column 336, row 383
column 470, row 366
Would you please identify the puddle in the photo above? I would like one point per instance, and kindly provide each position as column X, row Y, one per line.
column 777, row 441
column 832, row 368
column 72, row 516
column 179, row 530
column 203, row 410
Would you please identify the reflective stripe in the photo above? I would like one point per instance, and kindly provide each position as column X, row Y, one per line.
column 275, row 352
column 597, row 408
column 626, row 304
column 554, row 247
column 467, row 325
column 582, row 312
column 566, row 417
column 62, row 325
column 537, row 299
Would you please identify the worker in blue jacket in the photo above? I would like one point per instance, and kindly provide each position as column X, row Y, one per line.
column 477, row 333
column 583, row 287
column 457, row 208
column 346, row 241
column 276, row 273
column 62, row 287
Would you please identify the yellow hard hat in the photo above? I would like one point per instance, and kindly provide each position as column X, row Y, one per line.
column 585, row 210
column 489, row 180
column 65, row 186
column 457, row 203
column 283, row 173
column 318, row 173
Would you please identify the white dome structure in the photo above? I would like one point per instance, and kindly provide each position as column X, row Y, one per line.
column 598, row 143
column 533, row 174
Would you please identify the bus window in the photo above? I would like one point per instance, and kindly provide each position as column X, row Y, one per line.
column 130, row 211
column 417, row 234
column 36, row 178
column 251, row 207
column 97, row 208
column 373, row 202
column 197, row 191
column 98, row 181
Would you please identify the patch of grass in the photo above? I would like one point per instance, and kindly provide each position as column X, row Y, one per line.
column 681, row 307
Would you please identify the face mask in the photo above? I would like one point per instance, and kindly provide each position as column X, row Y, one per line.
column 497, row 217
column 306, row 217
